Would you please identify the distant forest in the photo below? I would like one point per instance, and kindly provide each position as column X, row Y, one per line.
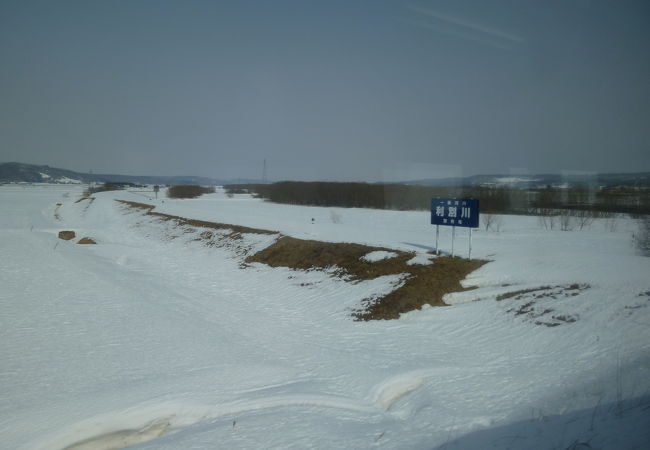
column 497, row 200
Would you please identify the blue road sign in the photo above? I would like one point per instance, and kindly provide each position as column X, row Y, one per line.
column 455, row 212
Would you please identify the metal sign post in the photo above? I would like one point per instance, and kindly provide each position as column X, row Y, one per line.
column 453, row 234
column 437, row 234
column 470, row 244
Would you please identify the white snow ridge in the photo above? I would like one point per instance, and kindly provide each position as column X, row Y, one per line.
column 123, row 438
column 378, row 255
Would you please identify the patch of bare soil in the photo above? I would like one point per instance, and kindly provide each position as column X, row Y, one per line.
column 66, row 235
column 537, row 304
column 86, row 240
column 344, row 258
column 424, row 285
column 421, row 284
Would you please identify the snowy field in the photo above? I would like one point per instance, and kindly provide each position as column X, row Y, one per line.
column 165, row 343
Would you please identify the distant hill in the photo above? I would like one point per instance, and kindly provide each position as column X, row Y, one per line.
column 29, row 173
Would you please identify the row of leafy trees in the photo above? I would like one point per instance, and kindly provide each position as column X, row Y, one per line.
column 496, row 200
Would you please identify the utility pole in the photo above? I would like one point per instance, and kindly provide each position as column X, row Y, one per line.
column 264, row 172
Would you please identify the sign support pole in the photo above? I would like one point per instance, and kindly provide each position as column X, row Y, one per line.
column 470, row 243
column 453, row 233
column 437, row 233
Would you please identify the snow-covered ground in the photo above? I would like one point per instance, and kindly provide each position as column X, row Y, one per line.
column 170, row 344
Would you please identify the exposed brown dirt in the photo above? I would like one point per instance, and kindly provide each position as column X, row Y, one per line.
column 426, row 285
column 346, row 257
column 66, row 235
column 86, row 240
column 422, row 284
column 137, row 205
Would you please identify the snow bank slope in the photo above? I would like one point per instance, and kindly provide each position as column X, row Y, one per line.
column 144, row 332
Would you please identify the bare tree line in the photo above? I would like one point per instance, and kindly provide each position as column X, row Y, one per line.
column 584, row 204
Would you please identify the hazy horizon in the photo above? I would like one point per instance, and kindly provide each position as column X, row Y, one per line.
column 365, row 91
column 565, row 174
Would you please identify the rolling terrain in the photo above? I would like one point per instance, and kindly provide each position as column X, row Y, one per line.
column 162, row 337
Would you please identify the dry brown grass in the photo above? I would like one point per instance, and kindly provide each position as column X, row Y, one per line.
column 346, row 257
column 425, row 285
column 235, row 229
column 422, row 284
column 86, row 240
column 136, row 205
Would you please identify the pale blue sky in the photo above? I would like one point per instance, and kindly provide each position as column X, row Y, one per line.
column 338, row 90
